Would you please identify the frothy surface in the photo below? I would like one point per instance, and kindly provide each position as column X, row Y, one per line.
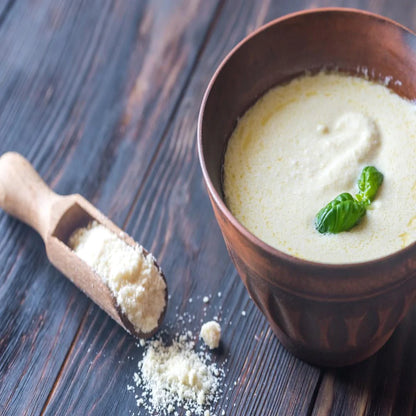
column 304, row 143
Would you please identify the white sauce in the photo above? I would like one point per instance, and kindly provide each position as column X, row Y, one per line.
column 304, row 143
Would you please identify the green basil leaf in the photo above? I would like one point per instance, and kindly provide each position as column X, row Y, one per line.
column 341, row 214
column 368, row 184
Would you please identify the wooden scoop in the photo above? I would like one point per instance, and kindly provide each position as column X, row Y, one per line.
column 25, row 195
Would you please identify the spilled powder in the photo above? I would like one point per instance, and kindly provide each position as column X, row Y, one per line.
column 176, row 375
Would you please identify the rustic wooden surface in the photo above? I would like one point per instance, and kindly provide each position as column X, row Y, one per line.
column 102, row 97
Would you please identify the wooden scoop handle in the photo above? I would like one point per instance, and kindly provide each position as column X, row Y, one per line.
column 24, row 194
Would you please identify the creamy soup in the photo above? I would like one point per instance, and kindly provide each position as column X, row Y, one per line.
column 304, row 143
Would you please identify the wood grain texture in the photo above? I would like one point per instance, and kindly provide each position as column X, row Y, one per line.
column 103, row 96
column 65, row 70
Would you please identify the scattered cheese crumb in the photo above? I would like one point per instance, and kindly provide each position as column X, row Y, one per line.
column 243, row 313
column 219, row 294
column 211, row 334
column 176, row 375
column 131, row 275
column 205, row 299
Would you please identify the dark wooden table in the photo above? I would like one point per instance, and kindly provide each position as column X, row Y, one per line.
column 102, row 97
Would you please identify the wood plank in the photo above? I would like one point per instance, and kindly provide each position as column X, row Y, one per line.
column 69, row 72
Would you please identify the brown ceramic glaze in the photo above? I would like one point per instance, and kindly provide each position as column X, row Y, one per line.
column 326, row 314
column 25, row 195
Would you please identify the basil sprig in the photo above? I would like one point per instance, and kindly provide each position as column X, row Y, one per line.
column 340, row 214
column 344, row 212
column 368, row 184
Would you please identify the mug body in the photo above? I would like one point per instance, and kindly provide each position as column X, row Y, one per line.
column 326, row 314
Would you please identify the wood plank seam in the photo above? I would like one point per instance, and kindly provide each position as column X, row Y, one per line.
column 38, row 158
column 175, row 108
column 66, row 359
column 315, row 393
column 6, row 11
column 10, row 270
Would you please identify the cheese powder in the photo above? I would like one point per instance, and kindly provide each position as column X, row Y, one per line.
column 176, row 375
column 132, row 276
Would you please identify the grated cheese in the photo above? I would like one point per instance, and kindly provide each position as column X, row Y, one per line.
column 176, row 375
column 132, row 276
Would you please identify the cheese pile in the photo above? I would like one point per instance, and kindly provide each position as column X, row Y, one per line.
column 132, row 276
column 176, row 375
